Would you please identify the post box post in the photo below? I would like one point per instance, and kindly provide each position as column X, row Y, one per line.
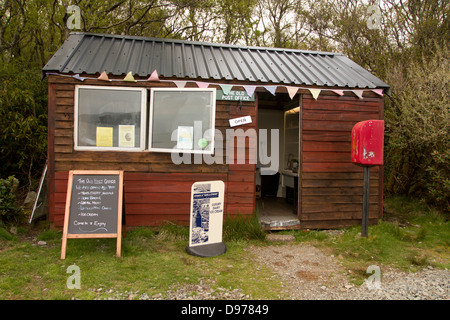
column 366, row 195
column 367, row 151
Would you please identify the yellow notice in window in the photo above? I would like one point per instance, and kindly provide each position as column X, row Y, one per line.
column 104, row 137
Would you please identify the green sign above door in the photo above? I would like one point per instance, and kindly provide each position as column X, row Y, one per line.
column 234, row 95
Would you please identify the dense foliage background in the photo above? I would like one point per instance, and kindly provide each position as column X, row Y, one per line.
column 403, row 42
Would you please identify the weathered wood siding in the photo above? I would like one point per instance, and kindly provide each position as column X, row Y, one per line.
column 155, row 189
column 331, row 190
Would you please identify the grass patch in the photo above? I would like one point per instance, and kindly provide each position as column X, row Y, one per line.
column 242, row 228
column 411, row 236
column 5, row 235
column 153, row 261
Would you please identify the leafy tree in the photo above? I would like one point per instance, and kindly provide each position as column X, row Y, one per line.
column 23, row 122
column 407, row 48
column 418, row 131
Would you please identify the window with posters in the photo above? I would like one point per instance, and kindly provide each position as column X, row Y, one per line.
column 182, row 120
column 110, row 118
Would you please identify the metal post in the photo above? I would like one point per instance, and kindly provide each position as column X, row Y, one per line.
column 365, row 213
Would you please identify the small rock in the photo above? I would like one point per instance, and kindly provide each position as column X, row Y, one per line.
column 280, row 237
column 29, row 199
column 348, row 286
column 42, row 243
column 144, row 296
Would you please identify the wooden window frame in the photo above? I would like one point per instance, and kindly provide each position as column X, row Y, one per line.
column 143, row 120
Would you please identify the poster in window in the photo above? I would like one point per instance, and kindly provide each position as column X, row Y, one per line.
column 104, row 137
column 126, row 135
column 185, row 137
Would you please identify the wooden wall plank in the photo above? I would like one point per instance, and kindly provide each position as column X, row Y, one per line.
column 337, row 191
column 321, row 156
column 335, row 146
column 333, row 224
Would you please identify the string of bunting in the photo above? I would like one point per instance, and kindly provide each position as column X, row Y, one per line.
column 226, row 88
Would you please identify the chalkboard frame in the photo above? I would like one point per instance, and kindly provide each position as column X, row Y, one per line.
column 118, row 234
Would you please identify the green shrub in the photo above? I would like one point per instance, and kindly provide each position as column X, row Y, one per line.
column 439, row 182
column 23, row 121
column 47, row 235
column 5, row 235
column 9, row 211
column 417, row 131
column 242, row 228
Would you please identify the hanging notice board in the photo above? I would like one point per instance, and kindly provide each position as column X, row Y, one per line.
column 93, row 206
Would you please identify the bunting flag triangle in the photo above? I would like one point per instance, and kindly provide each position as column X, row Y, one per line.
column 103, row 76
column 154, row 76
column 77, row 76
column 250, row 90
column 202, row 85
column 315, row 93
column 129, row 77
column 378, row 91
column 339, row 92
column 358, row 93
column 226, row 88
column 271, row 89
column 180, row 84
column 292, row 91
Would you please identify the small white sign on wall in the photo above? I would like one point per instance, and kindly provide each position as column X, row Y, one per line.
column 240, row 121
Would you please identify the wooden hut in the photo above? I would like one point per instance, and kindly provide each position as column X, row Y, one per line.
column 133, row 104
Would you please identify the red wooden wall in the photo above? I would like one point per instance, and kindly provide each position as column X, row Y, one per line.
column 155, row 189
column 331, row 186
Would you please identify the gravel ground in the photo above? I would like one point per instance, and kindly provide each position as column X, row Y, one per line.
column 308, row 273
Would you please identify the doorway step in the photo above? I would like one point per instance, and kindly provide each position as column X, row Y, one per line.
column 276, row 214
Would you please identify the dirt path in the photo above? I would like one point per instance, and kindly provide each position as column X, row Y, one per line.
column 307, row 272
column 310, row 273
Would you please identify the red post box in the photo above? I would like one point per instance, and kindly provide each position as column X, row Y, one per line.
column 367, row 151
column 368, row 142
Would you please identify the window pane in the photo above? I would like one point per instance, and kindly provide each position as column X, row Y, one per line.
column 109, row 118
column 180, row 119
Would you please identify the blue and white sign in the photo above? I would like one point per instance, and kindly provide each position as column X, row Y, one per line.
column 206, row 221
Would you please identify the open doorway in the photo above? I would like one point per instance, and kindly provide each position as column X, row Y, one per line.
column 277, row 192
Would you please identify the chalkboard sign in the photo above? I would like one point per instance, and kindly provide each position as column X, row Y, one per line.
column 93, row 206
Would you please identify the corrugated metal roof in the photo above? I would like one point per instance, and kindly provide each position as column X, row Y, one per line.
column 93, row 53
